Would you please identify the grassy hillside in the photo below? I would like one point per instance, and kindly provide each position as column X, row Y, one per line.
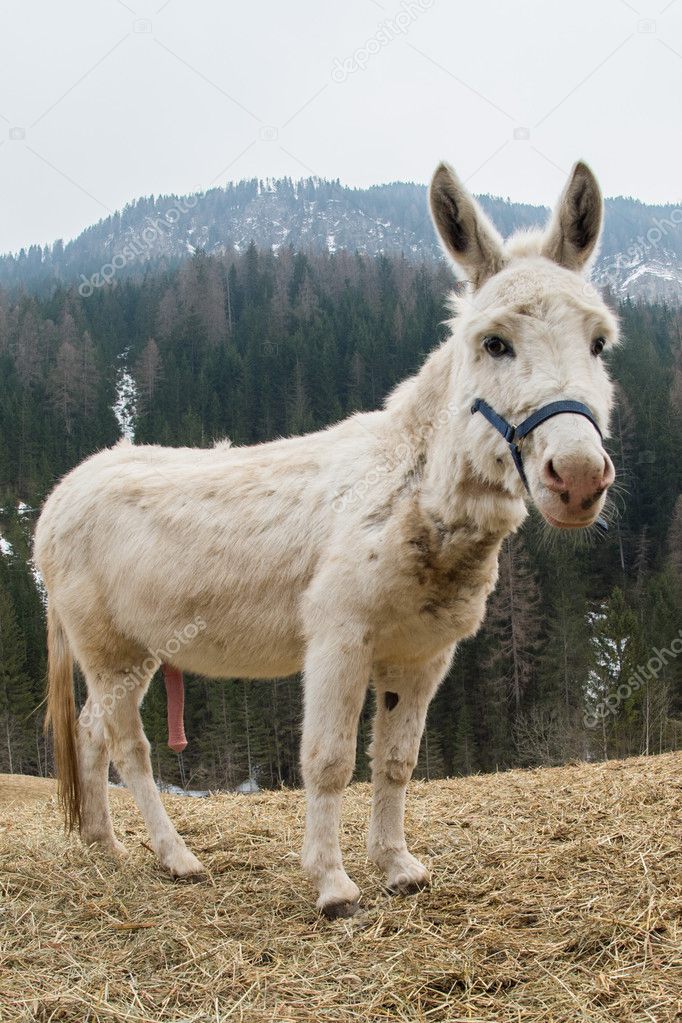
column 557, row 897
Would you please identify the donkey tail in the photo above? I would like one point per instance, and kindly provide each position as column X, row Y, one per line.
column 61, row 719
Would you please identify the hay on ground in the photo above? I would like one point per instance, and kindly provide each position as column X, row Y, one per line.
column 557, row 897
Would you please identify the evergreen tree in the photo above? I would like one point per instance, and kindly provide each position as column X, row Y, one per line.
column 16, row 702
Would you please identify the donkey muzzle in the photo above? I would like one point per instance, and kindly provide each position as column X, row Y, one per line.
column 592, row 486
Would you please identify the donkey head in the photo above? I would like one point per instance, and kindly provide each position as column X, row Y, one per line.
column 530, row 331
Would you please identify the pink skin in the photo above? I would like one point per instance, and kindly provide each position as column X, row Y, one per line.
column 572, row 483
column 175, row 694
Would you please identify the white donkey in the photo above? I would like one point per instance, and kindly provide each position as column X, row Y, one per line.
column 361, row 553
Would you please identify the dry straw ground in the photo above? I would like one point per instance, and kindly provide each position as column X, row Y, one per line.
column 557, row 897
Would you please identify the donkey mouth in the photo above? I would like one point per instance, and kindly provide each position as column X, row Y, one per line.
column 567, row 523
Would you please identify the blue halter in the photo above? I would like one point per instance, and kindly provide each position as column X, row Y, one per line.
column 512, row 434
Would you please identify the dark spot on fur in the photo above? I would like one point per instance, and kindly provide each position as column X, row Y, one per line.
column 473, row 484
column 565, row 497
column 450, row 562
column 422, row 547
column 391, row 700
column 443, row 531
column 409, row 483
column 430, row 608
column 373, row 556
column 366, row 638
column 379, row 516
column 413, row 476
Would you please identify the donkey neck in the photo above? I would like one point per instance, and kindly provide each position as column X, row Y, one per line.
column 431, row 411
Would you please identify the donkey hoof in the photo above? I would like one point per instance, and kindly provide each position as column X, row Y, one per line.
column 407, row 876
column 183, row 865
column 191, row 878
column 118, row 850
column 339, row 910
column 191, row 870
column 409, row 887
column 105, row 844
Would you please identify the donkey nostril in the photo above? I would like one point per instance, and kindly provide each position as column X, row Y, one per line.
column 551, row 475
column 609, row 472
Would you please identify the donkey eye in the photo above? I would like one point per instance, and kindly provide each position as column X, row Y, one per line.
column 497, row 346
column 598, row 345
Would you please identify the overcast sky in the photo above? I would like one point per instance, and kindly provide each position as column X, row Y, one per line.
column 102, row 101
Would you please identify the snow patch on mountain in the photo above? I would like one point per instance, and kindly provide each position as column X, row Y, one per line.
column 641, row 252
column 650, row 274
column 125, row 405
column 38, row 580
column 7, row 549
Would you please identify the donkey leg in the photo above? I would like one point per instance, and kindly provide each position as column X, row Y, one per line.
column 335, row 679
column 130, row 751
column 93, row 765
column 403, row 696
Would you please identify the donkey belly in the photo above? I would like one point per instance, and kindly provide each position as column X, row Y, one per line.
column 267, row 645
column 219, row 660
column 212, row 594
column 224, row 627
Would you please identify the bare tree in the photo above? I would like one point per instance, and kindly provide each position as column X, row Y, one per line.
column 148, row 373
column 514, row 620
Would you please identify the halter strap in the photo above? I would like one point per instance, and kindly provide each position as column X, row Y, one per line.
column 512, row 434
column 554, row 409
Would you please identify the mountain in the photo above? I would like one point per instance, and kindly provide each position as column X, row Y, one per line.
column 641, row 254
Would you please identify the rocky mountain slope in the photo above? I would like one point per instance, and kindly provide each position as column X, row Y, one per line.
column 641, row 253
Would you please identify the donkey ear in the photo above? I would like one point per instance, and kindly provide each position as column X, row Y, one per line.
column 575, row 226
column 465, row 232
